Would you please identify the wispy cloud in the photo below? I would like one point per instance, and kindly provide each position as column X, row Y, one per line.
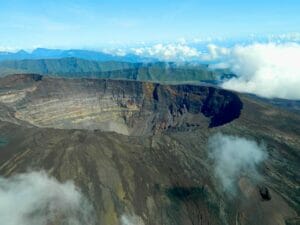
column 34, row 198
column 127, row 219
column 234, row 157
column 174, row 51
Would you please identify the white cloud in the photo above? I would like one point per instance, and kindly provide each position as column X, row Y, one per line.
column 268, row 70
column 287, row 37
column 214, row 52
column 8, row 49
column 36, row 199
column 131, row 220
column 233, row 157
column 172, row 52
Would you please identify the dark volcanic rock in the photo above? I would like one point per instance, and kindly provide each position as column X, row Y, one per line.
column 37, row 77
column 265, row 193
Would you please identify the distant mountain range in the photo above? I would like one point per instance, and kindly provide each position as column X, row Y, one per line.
column 79, row 68
column 43, row 53
column 76, row 63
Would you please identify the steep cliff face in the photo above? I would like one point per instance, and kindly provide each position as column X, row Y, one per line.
column 127, row 107
column 160, row 172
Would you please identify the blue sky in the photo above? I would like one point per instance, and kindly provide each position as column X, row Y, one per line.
column 94, row 24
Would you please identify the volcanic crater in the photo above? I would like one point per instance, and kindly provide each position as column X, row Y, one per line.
column 125, row 107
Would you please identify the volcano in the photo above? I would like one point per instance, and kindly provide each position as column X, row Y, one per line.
column 138, row 151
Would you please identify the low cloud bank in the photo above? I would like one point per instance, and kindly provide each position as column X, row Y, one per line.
column 233, row 157
column 268, row 70
column 36, row 199
column 169, row 52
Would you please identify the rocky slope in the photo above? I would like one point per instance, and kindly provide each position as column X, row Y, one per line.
column 160, row 172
